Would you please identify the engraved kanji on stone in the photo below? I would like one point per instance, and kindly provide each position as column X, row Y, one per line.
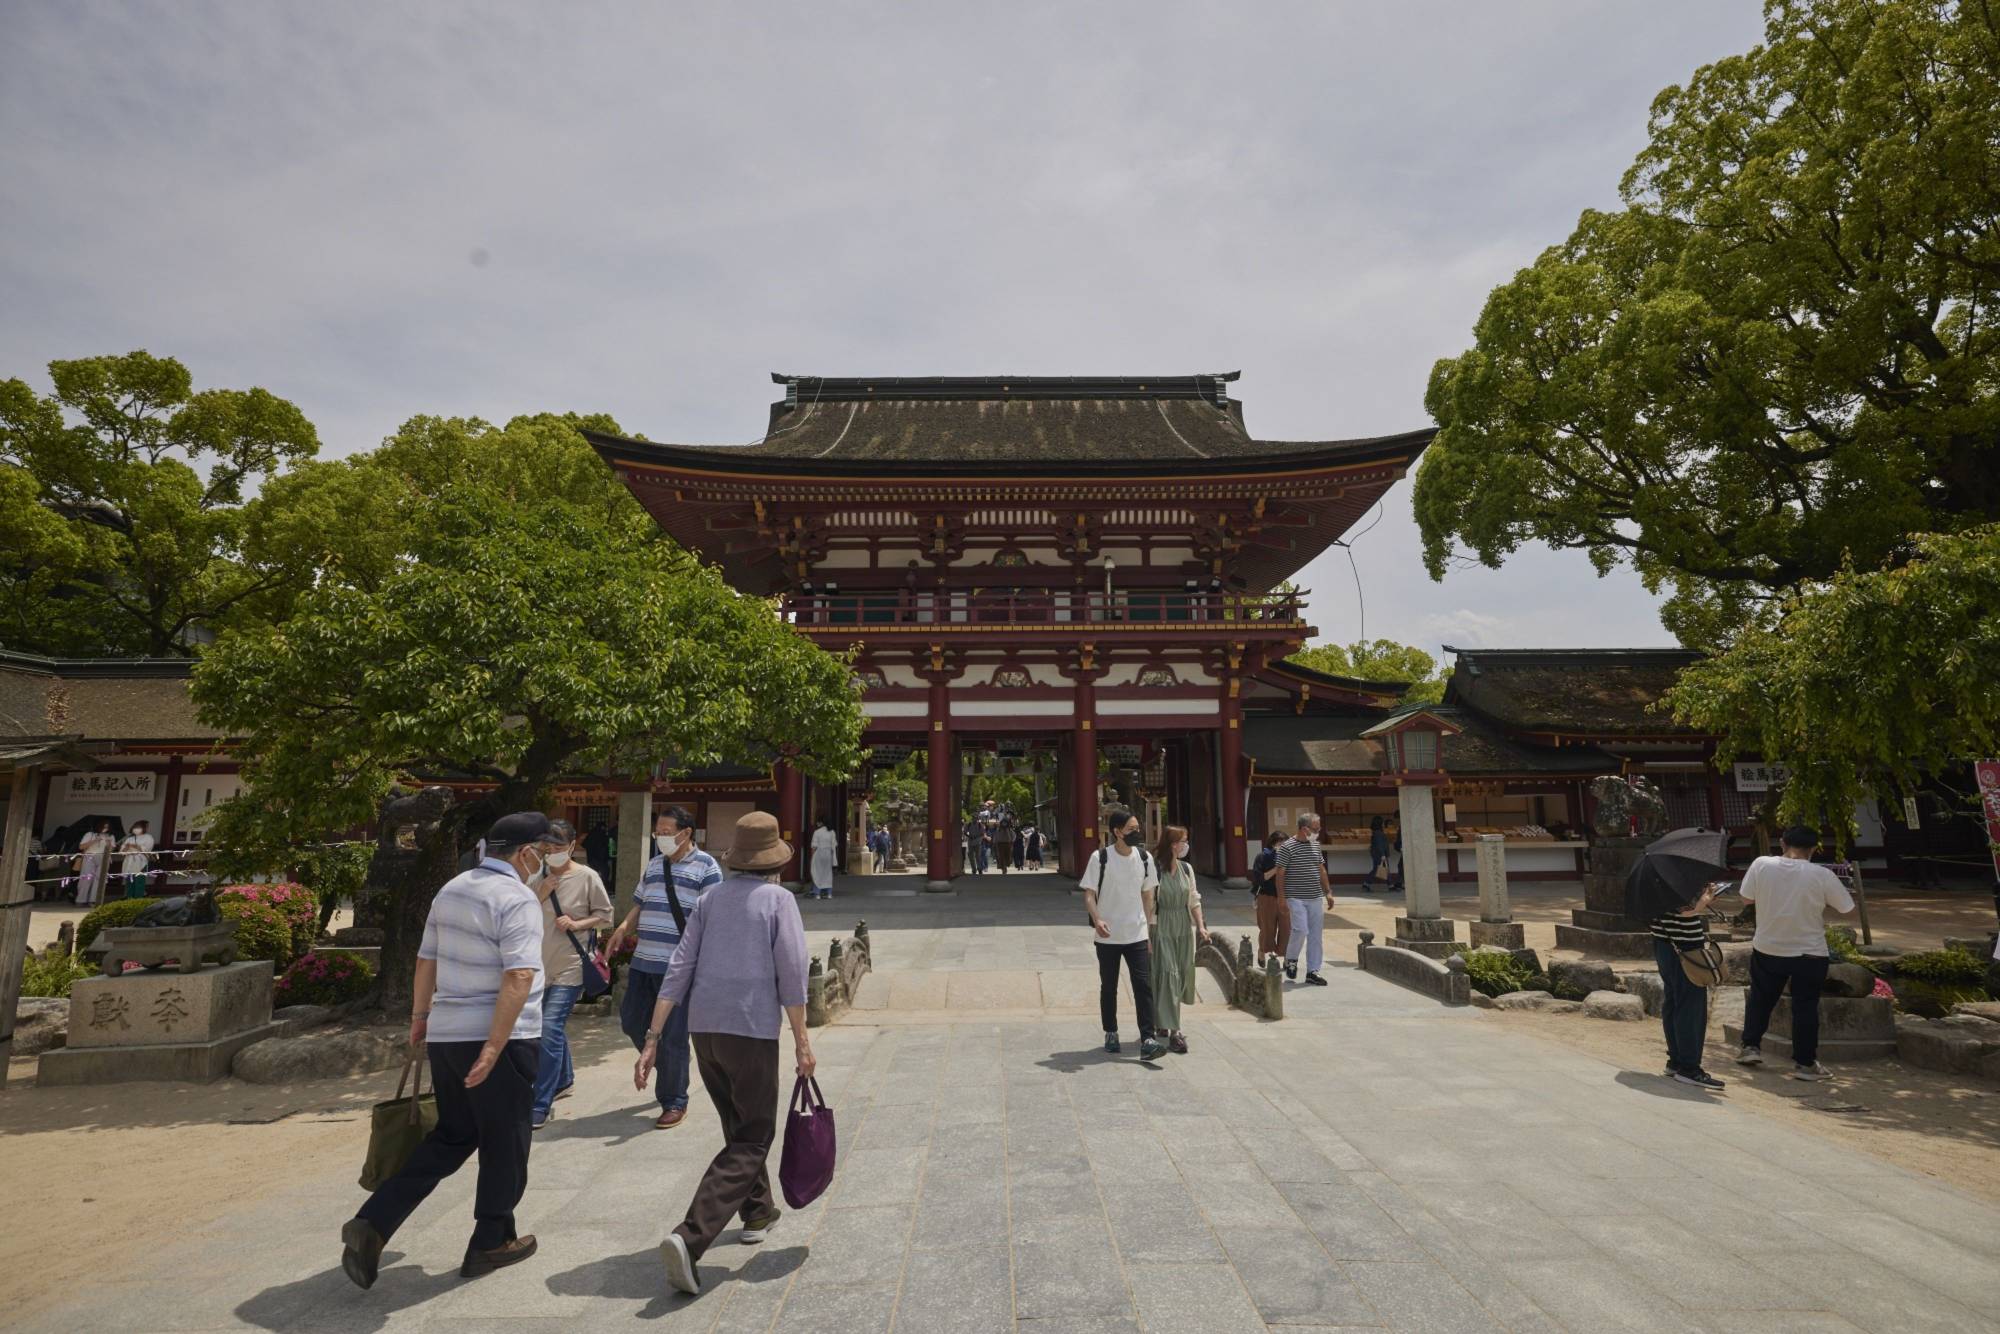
column 108, row 1010
column 170, row 1009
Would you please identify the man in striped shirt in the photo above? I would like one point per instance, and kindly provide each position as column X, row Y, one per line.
column 1302, row 880
column 478, row 1006
column 674, row 880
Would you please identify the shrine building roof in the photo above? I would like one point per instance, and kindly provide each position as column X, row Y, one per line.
column 1334, row 744
column 981, row 425
column 99, row 699
column 1570, row 692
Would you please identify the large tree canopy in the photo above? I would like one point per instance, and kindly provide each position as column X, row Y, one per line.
column 493, row 604
column 1868, row 684
column 1780, row 359
column 123, row 501
column 1379, row 660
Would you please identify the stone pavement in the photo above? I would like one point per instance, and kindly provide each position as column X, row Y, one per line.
column 1372, row 1161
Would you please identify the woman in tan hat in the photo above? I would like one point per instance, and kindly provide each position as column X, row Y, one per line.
column 741, row 963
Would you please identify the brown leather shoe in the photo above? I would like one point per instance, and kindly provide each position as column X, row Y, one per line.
column 668, row 1120
column 478, row 1264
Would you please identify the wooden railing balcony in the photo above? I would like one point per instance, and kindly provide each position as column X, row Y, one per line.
column 1046, row 610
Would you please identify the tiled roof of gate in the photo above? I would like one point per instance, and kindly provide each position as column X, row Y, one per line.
column 1013, row 421
column 101, row 700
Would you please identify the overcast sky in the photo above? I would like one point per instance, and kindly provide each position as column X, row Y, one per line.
column 643, row 209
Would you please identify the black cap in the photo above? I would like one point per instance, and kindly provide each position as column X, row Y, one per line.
column 1800, row 836
column 513, row 831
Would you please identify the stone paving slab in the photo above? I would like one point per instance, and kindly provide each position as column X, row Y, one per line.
column 1373, row 1161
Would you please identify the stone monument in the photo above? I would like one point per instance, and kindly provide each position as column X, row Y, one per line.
column 1627, row 818
column 1496, row 924
column 158, row 1025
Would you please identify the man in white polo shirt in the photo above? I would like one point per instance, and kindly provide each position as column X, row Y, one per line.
column 478, row 1007
column 1792, row 894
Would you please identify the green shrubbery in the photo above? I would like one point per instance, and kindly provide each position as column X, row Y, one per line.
column 118, row 912
column 1943, row 968
column 1494, row 974
column 1840, row 944
column 296, row 905
column 52, row 973
column 324, row 977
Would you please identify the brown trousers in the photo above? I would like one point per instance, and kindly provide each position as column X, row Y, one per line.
column 741, row 1076
column 1274, row 925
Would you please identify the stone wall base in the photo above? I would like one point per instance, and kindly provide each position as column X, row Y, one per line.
column 1609, row 944
column 192, row 1062
column 1851, row 1028
column 1506, row 935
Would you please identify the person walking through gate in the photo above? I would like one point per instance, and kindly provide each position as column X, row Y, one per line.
column 825, row 847
column 1274, row 918
column 1792, row 893
column 742, row 964
column 1119, row 885
column 668, row 892
column 1032, row 848
column 574, row 904
column 1683, row 1005
column 478, row 1007
column 1302, row 880
column 1180, row 927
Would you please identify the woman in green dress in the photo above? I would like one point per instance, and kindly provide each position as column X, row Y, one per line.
column 1179, row 927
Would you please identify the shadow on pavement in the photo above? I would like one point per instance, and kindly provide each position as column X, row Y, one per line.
column 1661, row 1087
column 397, row 1288
column 641, row 1274
column 1069, row 1062
column 620, row 1125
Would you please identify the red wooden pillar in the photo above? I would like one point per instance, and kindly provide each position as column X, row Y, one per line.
column 169, row 826
column 1235, row 862
column 791, row 798
column 943, row 853
column 1083, row 773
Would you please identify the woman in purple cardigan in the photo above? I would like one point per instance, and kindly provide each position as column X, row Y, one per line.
column 741, row 964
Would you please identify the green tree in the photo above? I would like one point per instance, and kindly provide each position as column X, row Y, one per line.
column 124, row 496
column 1379, row 660
column 1867, row 683
column 504, row 611
column 1779, row 359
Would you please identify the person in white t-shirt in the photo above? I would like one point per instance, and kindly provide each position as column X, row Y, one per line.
column 1119, row 883
column 1792, row 894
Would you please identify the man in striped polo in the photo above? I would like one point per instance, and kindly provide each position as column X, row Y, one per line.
column 675, row 878
column 1302, row 881
column 478, row 1007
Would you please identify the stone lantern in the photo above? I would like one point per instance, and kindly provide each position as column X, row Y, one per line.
column 1413, row 746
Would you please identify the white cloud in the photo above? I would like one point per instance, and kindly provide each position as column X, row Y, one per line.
column 677, row 200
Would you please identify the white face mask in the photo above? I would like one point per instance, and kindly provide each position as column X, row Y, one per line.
column 534, row 877
column 559, row 859
column 1180, row 851
column 668, row 844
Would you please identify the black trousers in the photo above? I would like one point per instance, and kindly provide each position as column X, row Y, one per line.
column 1683, row 1011
column 741, row 1076
column 1769, row 974
column 1138, row 958
column 491, row 1120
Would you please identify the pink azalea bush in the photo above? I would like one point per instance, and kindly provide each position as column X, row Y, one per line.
column 324, row 977
column 298, row 905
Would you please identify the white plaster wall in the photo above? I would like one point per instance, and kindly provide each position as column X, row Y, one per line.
column 843, row 558
column 1189, row 707
column 895, row 708
column 1012, row 708
column 1172, row 556
column 1127, row 673
column 899, row 674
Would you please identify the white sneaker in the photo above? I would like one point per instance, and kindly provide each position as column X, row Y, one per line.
column 680, row 1265
column 1750, row 1056
column 754, row 1233
column 1811, row 1073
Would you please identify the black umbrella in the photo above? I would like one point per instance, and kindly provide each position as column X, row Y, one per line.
column 1674, row 870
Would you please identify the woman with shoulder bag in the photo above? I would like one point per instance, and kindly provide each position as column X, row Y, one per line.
column 1688, row 965
column 574, row 905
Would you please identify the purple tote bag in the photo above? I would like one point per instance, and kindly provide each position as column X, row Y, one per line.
column 806, row 1167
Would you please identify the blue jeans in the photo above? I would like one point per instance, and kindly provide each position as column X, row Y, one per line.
column 635, row 1015
column 555, row 1073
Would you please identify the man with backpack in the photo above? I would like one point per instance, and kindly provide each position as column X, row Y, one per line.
column 1119, row 884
